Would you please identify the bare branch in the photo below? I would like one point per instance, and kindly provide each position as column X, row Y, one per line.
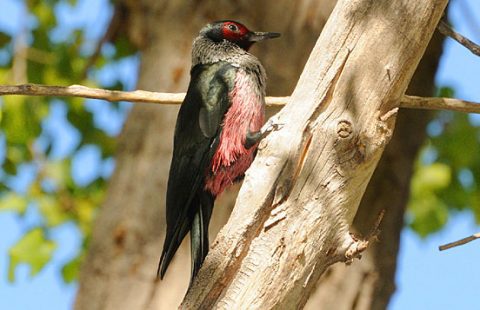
column 439, row 103
column 92, row 93
column 459, row 242
column 445, row 29
column 375, row 231
column 410, row 102
column 105, row 94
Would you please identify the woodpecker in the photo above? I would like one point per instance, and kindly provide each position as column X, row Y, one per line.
column 216, row 135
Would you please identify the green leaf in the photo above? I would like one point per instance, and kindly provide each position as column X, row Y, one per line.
column 71, row 269
column 13, row 202
column 44, row 12
column 51, row 210
column 16, row 155
column 85, row 214
column 21, row 119
column 458, row 145
column 431, row 178
column 429, row 214
column 64, row 68
column 4, row 39
column 33, row 249
column 446, row 91
column 58, row 171
column 9, row 166
column 4, row 79
column 123, row 47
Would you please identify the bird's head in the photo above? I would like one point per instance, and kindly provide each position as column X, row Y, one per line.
column 235, row 32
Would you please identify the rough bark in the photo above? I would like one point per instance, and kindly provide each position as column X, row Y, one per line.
column 119, row 270
column 370, row 282
column 292, row 215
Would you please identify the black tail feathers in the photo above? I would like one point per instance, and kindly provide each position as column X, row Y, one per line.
column 199, row 234
column 197, row 222
column 170, row 247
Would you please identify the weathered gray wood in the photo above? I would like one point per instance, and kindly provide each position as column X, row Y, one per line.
column 293, row 212
column 368, row 283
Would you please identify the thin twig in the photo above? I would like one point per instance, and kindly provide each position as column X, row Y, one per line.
column 375, row 231
column 459, row 242
column 445, row 29
column 411, row 102
column 439, row 103
column 92, row 93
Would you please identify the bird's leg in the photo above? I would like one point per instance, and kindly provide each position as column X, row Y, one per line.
column 253, row 138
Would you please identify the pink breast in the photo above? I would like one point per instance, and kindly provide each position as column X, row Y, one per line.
column 231, row 158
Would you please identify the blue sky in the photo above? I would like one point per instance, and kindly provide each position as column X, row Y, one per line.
column 426, row 278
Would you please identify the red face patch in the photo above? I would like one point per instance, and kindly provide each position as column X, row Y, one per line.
column 234, row 31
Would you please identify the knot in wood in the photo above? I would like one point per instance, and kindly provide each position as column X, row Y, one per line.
column 344, row 129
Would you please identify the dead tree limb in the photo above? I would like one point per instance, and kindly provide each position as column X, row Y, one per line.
column 410, row 102
column 446, row 30
column 291, row 218
column 438, row 103
column 459, row 242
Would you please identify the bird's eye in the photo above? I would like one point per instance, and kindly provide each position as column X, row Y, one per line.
column 232, row 27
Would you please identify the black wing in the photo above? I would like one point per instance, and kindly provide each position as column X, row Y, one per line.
column 197, row 134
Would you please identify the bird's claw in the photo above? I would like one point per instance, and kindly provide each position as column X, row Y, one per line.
column 270, row 128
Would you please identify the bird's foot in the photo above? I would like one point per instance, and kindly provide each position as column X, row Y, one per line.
column 253, row 138
column 269, row 127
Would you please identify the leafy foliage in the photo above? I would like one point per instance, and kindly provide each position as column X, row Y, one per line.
column 429, row 212
column 446, row 176
column 33, row 249
column 48, row 135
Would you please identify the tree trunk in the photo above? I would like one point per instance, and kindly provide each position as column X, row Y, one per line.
column 120, row 267
column 370, row 282
column 293, row 212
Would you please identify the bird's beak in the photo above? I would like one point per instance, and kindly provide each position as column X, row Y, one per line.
column 260, row 36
